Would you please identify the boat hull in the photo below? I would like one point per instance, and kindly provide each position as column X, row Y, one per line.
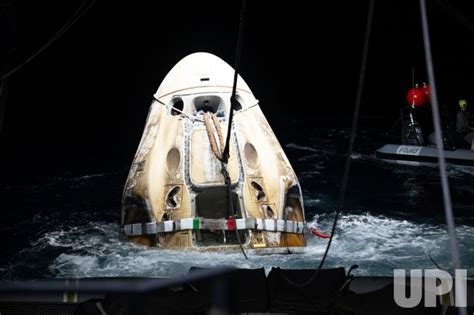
column 410, row 154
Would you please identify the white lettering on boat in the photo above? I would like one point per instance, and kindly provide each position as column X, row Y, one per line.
column 409, row 150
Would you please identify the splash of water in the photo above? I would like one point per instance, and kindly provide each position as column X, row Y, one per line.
column 377, row 243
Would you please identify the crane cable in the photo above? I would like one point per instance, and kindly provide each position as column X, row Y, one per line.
column 453, row 243
column 236, row 74
column 347, row 166
column 224, row 157
column 355, row 119
column 214, row 133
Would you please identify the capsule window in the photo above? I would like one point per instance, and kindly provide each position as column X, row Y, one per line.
column 177, row 108
column 237, row 104
column 171, row 201
column 270, row 213
column 258, row 190
column 208, row 104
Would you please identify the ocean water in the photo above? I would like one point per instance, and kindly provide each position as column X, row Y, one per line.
column 68, row 226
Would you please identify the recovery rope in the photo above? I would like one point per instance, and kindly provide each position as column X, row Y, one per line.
column 213, row 128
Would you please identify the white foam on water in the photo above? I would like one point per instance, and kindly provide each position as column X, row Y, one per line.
column 377, row 243
column 300, row 147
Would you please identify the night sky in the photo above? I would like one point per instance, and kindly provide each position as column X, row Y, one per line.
column 80, row 106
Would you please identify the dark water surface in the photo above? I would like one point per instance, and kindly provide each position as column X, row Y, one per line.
column 67, row 226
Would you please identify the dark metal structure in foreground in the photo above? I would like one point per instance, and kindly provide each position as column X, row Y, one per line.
column 221, row 290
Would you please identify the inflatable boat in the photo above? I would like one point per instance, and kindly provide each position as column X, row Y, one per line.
column 175, row 195
column 411, row 154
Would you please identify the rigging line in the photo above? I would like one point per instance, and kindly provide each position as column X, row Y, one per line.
column 230, row 204
column 355, row 118
column 450, row 9
column 183, row 114
column 71, row 20
column 236, row 74
column 393, row 126
column 439, row 267
column 453, row 243
column 433, row 261
column 74, row 18
column 216, row 147
column 462, row 17
column 225, row 152
column 457, row 14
